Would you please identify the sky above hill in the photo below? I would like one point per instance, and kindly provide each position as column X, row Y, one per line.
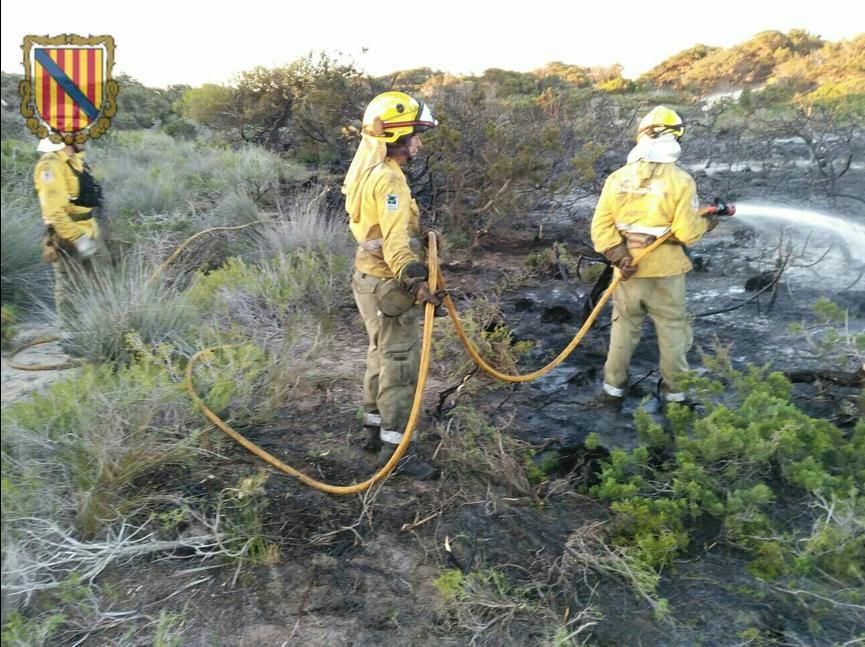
column 163, row 42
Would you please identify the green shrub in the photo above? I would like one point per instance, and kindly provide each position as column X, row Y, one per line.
column 732, row 464
column 232, row 381
column 492, row 339
column 306, row 280
column 149, row 177
column 8, row 319
column 242, row 508
column 829, row 336
column 71, row 453
column 20, row 631
column 304, row 222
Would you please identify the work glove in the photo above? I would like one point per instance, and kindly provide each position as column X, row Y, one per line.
column 412, row 275
column 619, row 257
column 85, row 246
column 423, row 294
column 425, row 238
column 712, row 220
column 415, row 279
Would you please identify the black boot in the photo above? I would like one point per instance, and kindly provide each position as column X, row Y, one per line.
column 372, row 427
column 373, row 439
column 410, row 464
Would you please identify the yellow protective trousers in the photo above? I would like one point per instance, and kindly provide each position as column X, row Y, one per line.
column 663, row 299
column 392, row 359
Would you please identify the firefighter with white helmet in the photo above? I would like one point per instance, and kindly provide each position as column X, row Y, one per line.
column 641, row 201
column 68, row 197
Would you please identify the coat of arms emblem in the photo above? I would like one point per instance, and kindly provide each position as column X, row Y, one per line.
column 67, row 92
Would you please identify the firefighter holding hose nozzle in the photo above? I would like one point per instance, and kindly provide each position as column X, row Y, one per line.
column 648, row 197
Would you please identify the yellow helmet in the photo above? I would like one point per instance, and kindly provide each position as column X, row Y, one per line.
column 660, row 121
column 393, row 114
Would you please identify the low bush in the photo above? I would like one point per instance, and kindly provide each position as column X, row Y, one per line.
column 70, row 453
column 738, row 467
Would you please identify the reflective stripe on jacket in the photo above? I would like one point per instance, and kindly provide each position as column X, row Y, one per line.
column 389, row 213
column 650, row 197
column 56, row 185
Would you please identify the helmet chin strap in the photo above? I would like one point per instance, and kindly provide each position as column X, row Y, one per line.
column 399, row 149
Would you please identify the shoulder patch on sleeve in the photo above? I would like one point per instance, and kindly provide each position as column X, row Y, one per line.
column 47, row 175
column 392, row 202
column 695, row 202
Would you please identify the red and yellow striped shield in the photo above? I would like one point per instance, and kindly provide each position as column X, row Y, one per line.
column 68, row 91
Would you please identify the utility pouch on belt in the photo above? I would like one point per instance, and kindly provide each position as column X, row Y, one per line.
column 49, row 248
column 638, row 241
column 393, row 299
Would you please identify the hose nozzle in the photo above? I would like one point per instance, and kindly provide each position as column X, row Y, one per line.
column 720, row 208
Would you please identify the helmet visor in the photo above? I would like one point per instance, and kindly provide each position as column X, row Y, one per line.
column 423, row 121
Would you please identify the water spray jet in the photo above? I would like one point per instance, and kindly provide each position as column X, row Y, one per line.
column 852, row 233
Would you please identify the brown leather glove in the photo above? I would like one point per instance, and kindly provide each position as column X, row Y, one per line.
column 627, row 268
column 414, row 278
column 440, row 241
column 423, row 294
column 618, row 256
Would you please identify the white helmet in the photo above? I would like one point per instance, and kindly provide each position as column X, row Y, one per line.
column 48, row 146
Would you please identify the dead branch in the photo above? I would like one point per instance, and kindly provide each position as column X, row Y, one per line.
column 856, row 280
column 54, row 554
column 367, row 500
column 771, row 284
column 491, row 201
column 832, row 601
column 440, row 411
column 563, row 271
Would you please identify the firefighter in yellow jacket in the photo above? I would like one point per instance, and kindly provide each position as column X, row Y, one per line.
column 67, row 200
column 647, row 197
column 390, row 277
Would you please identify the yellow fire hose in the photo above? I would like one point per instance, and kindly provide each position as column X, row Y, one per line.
column 177, row 250
column 39, row 367
column 528, row 377
column 436, row 281
column 426, row 345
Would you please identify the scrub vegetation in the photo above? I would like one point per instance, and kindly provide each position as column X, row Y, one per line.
column 128, row 519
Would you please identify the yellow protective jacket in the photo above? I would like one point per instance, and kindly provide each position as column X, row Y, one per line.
column 56, row 185
column 649, row 197
column 388, row 227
